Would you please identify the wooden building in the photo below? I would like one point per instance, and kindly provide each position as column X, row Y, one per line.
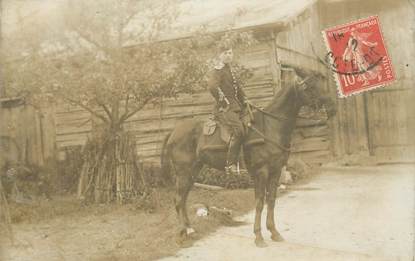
column 26, row 135
column 374, row 123
column 380, row 122
column 268, row 60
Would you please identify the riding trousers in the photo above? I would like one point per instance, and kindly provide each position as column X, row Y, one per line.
column 231, row 120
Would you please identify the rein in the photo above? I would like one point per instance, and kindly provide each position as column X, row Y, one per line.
column 286, row 149
column 276, row 117
column 262, row 135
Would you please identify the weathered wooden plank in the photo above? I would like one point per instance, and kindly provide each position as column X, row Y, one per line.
column 67, row 129
column 321, row 156
column 80, row 123
column 155, row 146
column 148, row 154
column 70, row 143
column 310, row 144
column 150, row 140
column 151, row 131
column 313, row 131
column 140, row 135
column 71, row 136
column 310, row 122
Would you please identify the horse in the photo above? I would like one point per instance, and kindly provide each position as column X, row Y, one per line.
column 264, row 161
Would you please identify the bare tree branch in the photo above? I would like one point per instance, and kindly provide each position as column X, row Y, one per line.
column 89, row 39
column 87, row 108
column 127, row 99
column 137, row 109
column 106, row 109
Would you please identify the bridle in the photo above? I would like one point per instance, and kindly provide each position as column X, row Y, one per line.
column 279, row 117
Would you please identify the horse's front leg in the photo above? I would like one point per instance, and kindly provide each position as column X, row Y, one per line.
column 261, row 177
column 274, row 176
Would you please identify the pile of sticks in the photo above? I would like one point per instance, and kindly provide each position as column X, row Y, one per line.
column 110, row 171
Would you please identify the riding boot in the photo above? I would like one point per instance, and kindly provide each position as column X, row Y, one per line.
column 233, row 156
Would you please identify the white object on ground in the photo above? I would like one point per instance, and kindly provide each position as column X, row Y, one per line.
column 202, row 212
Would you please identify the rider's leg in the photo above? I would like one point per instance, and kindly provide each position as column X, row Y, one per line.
column 233, row 155
column 233, row 123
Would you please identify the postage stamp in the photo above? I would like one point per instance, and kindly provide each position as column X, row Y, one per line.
column 358, row 57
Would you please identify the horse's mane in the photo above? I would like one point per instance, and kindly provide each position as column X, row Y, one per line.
column 304, row 72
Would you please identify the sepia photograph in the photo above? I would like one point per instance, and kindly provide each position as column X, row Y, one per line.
column 207, row 130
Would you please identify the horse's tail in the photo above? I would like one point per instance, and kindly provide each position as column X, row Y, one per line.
column 165, row 163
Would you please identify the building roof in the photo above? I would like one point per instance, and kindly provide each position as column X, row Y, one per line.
column 219, row 15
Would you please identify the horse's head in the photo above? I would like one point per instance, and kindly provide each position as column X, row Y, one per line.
column 311, row 91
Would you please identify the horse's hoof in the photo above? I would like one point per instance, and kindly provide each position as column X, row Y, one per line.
column 277, row 238
column 184, row 242
column 190, row 231
column 260, row 243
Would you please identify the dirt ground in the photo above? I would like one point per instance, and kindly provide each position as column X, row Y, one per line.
column 343, row 214
column 63, row 229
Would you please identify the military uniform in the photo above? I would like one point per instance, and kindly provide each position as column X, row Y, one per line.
column 230, row 102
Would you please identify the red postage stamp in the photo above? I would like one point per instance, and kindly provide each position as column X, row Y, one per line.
column 358, row 57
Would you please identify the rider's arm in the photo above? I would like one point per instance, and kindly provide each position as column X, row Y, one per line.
column 213, row 84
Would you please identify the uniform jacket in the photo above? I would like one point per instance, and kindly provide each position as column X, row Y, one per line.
column 224, row 78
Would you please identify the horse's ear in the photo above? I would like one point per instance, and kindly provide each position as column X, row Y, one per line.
column 300, row 72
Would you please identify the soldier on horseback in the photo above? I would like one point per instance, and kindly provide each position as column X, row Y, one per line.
column 230, row 103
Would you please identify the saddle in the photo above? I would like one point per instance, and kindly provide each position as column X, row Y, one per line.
column 210, row 126
column 216, row 136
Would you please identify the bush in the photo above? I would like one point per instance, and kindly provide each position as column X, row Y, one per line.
column 209, row 176
column 220, row 178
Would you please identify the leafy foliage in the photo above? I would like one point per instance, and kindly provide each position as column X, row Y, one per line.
column 111, row 58
column 108, row 58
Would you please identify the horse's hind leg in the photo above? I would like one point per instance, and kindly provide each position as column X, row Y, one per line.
column 271, row 195
column 184, row 183
column 261, row 177
column 196, row 168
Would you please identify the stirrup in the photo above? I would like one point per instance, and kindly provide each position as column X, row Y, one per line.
column 232, row 169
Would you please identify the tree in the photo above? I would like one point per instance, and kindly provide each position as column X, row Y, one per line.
column 109, row 58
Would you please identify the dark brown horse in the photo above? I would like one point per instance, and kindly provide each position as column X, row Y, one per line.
column 263, row 160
